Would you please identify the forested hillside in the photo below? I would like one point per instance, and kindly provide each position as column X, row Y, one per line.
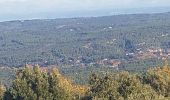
column 122, row 40
column 84, row 50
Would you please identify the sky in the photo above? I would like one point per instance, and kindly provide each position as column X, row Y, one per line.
column 37, row 9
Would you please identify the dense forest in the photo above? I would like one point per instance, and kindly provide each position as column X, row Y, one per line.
column 36, row 83
column 86, row 41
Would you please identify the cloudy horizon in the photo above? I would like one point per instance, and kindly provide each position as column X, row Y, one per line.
column 31, row 9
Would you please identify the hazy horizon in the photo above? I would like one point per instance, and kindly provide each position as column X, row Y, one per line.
column 50, row 9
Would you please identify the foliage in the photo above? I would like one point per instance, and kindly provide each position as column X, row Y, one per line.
column 2, row 91
column 159, row 79
column 120, row 86
column 37, row 84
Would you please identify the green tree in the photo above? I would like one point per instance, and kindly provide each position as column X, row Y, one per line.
column 120, row 86
column 34, row 83
column 30, row 83
column 159, row 79
column 103, row 88
column 59, row 86
column 131, row 88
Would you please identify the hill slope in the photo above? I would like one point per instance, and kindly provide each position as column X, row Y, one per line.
column 80, row 41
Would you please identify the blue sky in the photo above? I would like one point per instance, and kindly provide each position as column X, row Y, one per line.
column 31, row 9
